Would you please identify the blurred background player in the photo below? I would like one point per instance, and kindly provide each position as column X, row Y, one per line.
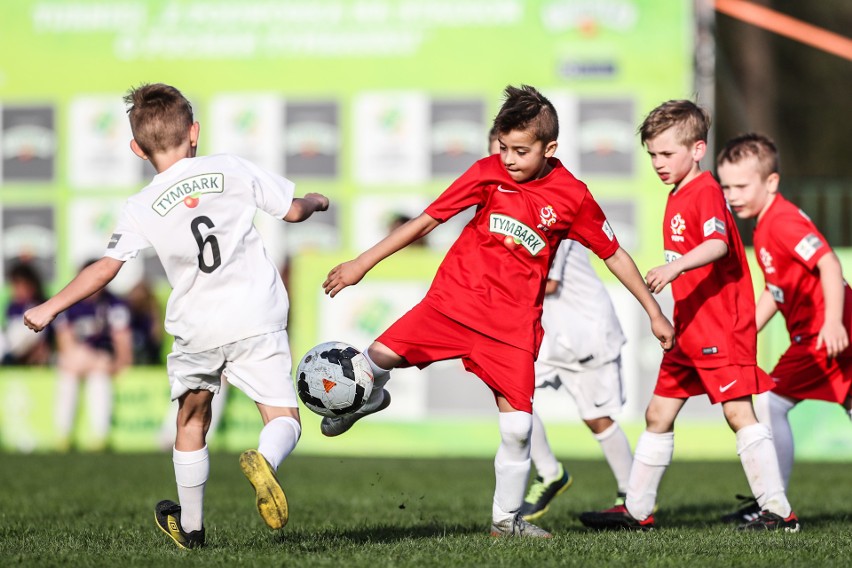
column 804, row 281
column 484, row 305
column 580, row 353
column 22, row 347
column 94, row 345
column 716, row 349
column 228, row 307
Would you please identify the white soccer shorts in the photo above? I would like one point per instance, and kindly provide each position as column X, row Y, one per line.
column 597, row 392
column 260, row 366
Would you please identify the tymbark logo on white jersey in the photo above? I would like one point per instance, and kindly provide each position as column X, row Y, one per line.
column 186, row 191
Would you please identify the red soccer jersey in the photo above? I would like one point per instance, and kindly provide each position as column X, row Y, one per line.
column 493, row 276
column 788, row 247
column 714, row 304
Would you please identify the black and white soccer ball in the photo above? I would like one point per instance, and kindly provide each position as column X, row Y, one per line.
column 334, row 378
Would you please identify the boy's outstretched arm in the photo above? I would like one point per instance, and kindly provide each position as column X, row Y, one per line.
column 705, row 253
column 351, row 272
column 622, row 266
column 91, row 279
column 303, row 207
column 832, row 335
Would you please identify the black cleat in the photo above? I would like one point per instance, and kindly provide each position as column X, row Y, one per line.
column 540, row 495
column 167, row 517
column 615, row 518
column 767, row 521
column 747, row 511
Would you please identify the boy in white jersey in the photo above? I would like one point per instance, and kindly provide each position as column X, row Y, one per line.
column 580, row 353
column 228, row 306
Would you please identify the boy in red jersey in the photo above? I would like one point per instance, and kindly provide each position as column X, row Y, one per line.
column 804, row 281
column 484, row 305
column 714, row 323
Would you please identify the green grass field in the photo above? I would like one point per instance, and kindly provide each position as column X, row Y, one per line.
column 97, row 510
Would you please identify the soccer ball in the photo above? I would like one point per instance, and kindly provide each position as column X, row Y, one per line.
column 334, row 378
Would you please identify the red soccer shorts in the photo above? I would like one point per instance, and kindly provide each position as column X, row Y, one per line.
column 719, row 384
column 424, row 335
column 803, row 373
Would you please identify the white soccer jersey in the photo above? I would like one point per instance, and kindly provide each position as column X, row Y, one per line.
column 581, row 329
column 198, row 215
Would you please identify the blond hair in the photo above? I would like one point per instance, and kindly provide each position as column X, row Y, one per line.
column 751, row 144
column 691, row 121
column 160, row 117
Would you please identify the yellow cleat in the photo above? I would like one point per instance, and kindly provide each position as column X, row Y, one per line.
column 271, row 501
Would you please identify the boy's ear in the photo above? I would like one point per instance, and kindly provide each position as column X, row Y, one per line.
column 698, row 150
column 193, row 134
column 137, row 150
column 772, row 181
column 550, row 149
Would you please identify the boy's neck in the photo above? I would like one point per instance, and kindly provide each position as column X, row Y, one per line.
column 164, row 160
column 693, row 173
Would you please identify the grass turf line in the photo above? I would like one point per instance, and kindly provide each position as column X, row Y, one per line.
column 96, row 509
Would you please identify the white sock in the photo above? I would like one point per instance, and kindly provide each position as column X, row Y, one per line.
column 774, row 412
column 760, row 463
column 542, row 456
column 99, row 403
column 616, row 449
column 278, row 438
column 653, row 455
column 66, row 403
column 380, row 378
column 191, row 472
column 511, row 464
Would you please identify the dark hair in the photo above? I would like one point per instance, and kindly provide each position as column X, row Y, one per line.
column 27, row 273
column 526, row 108
column 751, row 144
column 160, row 117
column 692, row 122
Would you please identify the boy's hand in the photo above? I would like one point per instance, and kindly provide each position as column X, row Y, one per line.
column 343, row 275
column 834, row 337
column 663, row 330
column 320, row 199
column 658, row 277
column 38, row 318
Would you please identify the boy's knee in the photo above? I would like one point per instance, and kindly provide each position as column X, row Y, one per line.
column 515, row 428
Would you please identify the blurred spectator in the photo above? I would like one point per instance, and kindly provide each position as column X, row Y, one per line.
column 146, row 325
column 94, row 342
column 22, row 346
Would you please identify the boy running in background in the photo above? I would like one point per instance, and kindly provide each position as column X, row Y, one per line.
column 714, row 321
column 484, row 305
column 580, row 353
column 804, row 281
column 228, row 306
